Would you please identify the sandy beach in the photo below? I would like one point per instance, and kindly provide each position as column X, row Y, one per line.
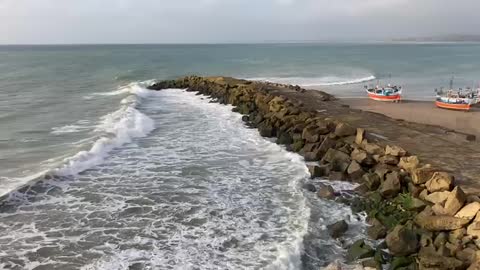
column 422, row 112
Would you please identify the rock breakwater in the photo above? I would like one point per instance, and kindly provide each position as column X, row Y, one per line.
column 426, row 220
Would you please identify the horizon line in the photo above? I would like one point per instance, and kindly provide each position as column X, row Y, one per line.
column 242, row 43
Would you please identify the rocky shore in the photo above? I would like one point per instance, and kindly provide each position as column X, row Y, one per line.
column 416, row 210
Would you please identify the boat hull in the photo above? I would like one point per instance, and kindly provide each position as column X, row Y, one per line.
column 392, row 98
column 450, row 106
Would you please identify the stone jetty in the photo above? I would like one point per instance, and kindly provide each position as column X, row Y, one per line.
column 413, row 201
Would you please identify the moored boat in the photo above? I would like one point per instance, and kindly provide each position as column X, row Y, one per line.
column 461, row 100
column 459, row 104
column 387, row 93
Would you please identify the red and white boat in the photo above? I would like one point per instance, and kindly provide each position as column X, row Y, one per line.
column 460, row 100
column 455, row 100
column 387, row 93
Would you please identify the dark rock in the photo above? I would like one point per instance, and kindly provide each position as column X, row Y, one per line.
column 391, row 186
column 402, row 241
column 337, row 176
column 285, row 139
column 414, row 189
column 337, row 229
column 339, row 160
column 326, row 192
column 310, row 187
column 311, row 134
column 361, row 189
column 376, row 230
column 402, row 263
column 471, row 138
column 371, row 180
column 355, row 171
column 344, row 130
column 318, row 170
column 389, row 159
column 245, row 118
column 266, row 130
column 359, row 250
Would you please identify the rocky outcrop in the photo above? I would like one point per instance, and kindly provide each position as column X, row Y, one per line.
column 337, row 229
column 402, row 241
column 395, row 184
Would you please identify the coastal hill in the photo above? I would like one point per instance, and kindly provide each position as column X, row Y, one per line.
column 441, row 38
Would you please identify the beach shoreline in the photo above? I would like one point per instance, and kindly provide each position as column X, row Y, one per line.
column 422, row 112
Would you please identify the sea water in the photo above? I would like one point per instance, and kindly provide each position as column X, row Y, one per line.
column 167, row 180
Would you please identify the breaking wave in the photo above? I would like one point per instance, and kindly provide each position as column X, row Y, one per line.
column 117, row 128
column 319, row 81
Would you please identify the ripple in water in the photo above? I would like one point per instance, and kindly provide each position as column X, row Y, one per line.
column 200, row 192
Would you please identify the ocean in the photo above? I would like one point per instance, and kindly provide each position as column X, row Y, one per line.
column 124, row 178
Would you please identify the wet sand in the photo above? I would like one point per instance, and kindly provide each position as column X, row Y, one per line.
column 422, row 112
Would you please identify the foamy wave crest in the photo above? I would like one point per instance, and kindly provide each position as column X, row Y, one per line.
column 320, row 81
column 116, row 129
column 136, row 88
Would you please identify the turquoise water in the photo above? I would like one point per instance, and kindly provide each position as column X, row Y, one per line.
column 117, row 154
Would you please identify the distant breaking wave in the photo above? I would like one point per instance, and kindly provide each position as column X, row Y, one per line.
column 319, row 81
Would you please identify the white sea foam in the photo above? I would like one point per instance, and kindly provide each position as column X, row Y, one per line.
column 67, row 129
column 319, row 81
column 115, row 130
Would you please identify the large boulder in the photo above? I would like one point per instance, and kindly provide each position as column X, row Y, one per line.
column 473, row 229
column 455, row 201
column 409, row 163
column 359, row 250
column 469, row 211
column 326, row 192
column 355, row 171
column 311, row 134
column 428, row 221
column 373, row 149
column 338, row 159
column 402, row 241
column 388, row 159
column 326, row 144
column 376, row 230
column 394, row 150
column 361, row 157
column 437, row 197
column 344, row 130
column 428, row 258
column 318, row 170
column 422, row 175
column 391, row 186
column 360, row 136
column 371, row 180
column 440, row 181
column 337, row 229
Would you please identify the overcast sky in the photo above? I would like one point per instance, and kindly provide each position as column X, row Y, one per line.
column 213, row 21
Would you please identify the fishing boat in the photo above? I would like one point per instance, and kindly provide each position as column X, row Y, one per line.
column 454, row 102
column 460, row 100
column 385, row 93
